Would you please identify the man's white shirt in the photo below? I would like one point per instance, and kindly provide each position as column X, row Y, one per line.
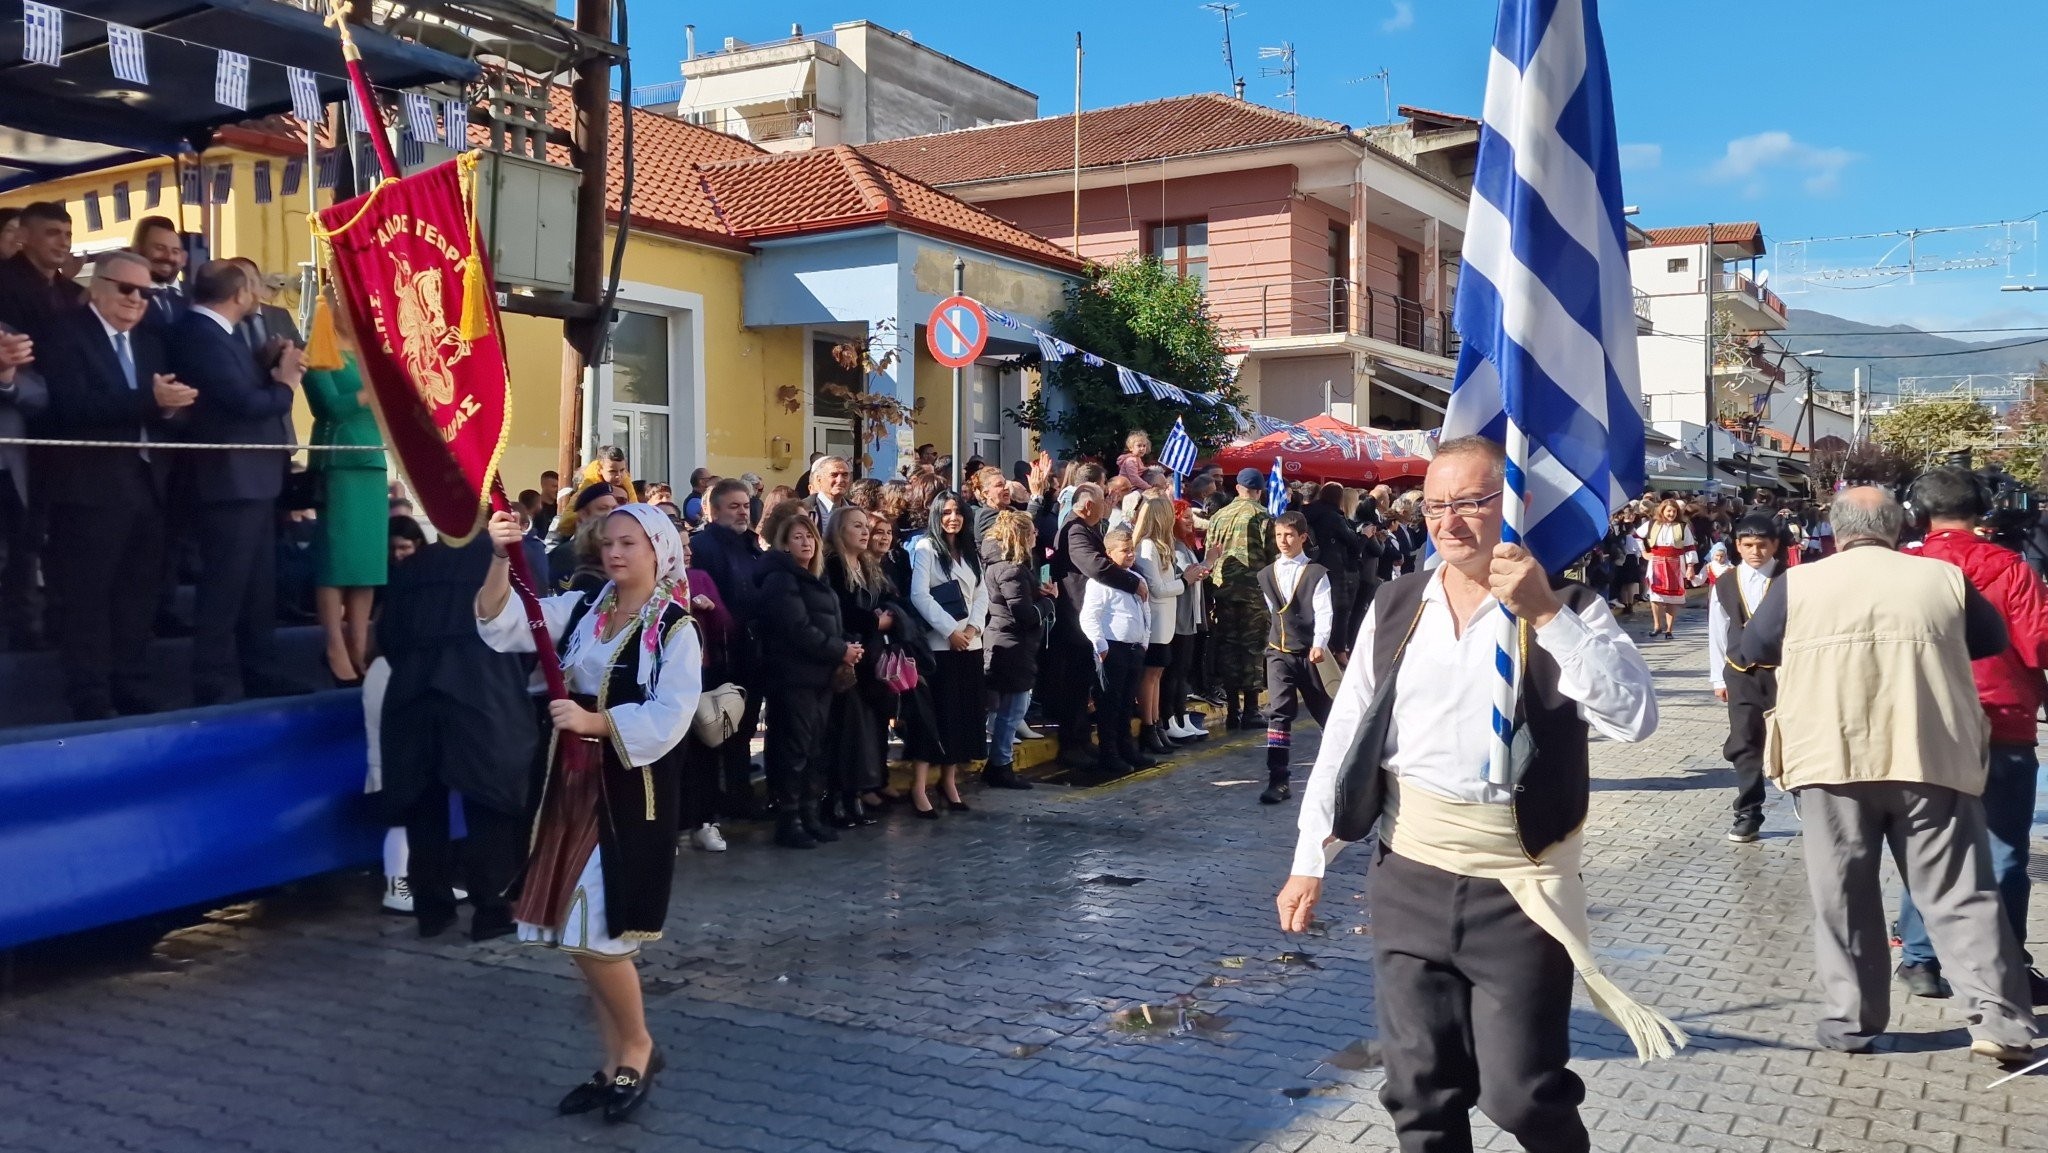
column 1753, row 584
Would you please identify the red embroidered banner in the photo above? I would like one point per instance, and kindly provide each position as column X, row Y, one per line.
column 414, row 288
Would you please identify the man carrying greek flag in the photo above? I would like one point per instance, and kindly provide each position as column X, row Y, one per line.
column 1460, row 733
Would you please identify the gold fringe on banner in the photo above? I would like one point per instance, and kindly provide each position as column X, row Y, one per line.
column 475, row 322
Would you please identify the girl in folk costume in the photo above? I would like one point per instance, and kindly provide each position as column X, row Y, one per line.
column 1717, row 563
column 602, row 853
column 1667, row 539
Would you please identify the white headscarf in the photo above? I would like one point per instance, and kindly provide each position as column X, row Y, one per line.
column 671, row 585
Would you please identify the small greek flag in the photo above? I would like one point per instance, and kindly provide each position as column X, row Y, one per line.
column 121, row 205
column 231, row 79
column 1051, row 347
column 358, row 118
column 330, row 168
column 153, row 190
column 223, row 182
column 93, row 220
column 190, row 186
column 261, row 174
column 411, row 153
column 1276, row 490
column 419, row 116
column 1128, row 381
column 294, row 176
column 124, row 47
column 306, row 103
column 42, row 34
column 456, row 115
column 1179, row 453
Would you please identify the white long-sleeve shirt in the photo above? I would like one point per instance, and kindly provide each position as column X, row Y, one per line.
column 1163, row 582
column 1753, row 584
column 1109, row 614
column 1286, row 575
column 1442, row 730
column 648, row 730
column 925, row 571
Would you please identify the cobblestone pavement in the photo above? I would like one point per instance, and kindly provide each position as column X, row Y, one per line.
column 1058, row 970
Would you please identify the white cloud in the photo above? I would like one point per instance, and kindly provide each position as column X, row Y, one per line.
column 1403, row 17
column 1641, row 157
column 1752, row 160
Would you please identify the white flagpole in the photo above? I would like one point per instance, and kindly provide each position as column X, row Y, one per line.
column 1507, row 653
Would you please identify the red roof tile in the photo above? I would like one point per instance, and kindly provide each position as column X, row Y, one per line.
column 1127, row 133
column 666, row 194
column 828, row 188
column 1745, row 233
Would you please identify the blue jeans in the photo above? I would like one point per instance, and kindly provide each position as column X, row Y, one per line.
column 2009, row 818
column 1003, row 722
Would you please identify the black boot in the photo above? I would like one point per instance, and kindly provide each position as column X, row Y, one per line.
column 807, row 815
column 1076, row 754
column 1132, row 754
column 848, row 813
column 1002, row 775
column 1154, row 742
column 790, row 832
column 1277, row 789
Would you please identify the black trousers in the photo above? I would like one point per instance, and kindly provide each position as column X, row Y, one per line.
column 734, row 769
column 1474, row 1006
column 1750, row 696
column 491, row 856
column 795, row 746
column 1067, row 673
column 234, row 633
column 1173, row 687
column 699, row 794
column 104, row 563
column 17, row 564
column 1291, row 681
column 1122, row 666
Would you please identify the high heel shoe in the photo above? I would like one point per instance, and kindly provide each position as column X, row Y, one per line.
column 957, row 807
column 928, row 813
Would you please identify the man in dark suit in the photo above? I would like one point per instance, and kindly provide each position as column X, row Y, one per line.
column 22, row 399
column 240, row 401
column 157, row 241
column 267, row 325
column 36, row 283
column 108, row 380
column 829, row 476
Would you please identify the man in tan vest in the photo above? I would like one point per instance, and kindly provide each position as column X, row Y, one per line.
column 1879, row 737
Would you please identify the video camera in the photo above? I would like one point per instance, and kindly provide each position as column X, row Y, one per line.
column 2012, row 511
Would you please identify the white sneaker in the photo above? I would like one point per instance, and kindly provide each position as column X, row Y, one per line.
column 707, row 838
column 397, row 895
column 1026, row 733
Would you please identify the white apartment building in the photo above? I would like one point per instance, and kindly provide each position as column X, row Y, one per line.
column 1675, row 274
column 856, row 84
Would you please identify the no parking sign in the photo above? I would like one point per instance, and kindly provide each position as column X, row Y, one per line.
column 957, row 332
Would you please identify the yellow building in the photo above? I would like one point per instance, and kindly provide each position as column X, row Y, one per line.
column 742, row 270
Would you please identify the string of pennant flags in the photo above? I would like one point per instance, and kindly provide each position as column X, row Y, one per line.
column 426, row 120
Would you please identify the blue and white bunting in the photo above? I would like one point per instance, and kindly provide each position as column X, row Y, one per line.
column 42, row 34
column 260, row 176
column 411, row 153
column 294, row 176
column 421, row 119
column 124, row 49
column 1178, row 454
column 1276, row 490
column 358, row 119
column 1051, row 347
column 306, row 103
column 1545, row 309
column 1128, row 381
column 153, row 190
column 456, row 115
column 231, row 79
column 330, row 168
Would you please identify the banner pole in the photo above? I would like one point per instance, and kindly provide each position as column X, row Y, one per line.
column 337, row 16
column 536, row 622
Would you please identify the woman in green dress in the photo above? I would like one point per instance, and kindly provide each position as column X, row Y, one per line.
column 354, row 516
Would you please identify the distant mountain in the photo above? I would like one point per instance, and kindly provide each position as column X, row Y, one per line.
column 1899, row 350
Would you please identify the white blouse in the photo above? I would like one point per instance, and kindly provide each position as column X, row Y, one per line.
column 646, row 731
column 925, row 572
column 1163, row 582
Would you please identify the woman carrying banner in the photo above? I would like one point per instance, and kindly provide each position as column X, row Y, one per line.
column 603, row 847
column 1668, row 541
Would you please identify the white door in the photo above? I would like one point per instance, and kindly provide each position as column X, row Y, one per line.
column 637, row 392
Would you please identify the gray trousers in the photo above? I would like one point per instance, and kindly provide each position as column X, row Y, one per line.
column 1936, row 837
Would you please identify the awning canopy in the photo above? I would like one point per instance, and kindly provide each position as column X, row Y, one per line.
column 1682, row 469
column 79, row 117
column 1328, row 449
column 776, row 82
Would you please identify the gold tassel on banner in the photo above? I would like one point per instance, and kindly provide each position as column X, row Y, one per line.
column 323, row 344
column 475, row 321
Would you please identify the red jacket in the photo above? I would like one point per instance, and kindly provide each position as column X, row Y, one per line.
column 2010, row 684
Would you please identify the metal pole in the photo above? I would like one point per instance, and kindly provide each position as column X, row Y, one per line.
column 1856, row 407
column 1077, row 144
column 1713, row 273
column 1812, row 475
column 591, row 98
column 959, row 376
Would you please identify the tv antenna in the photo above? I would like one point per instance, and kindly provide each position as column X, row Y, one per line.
column 1386, row 80
column 1285, row 55
column 1228, row 12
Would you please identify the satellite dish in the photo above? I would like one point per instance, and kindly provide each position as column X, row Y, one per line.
column 1763, row 277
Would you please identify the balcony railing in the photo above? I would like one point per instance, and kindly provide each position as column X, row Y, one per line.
column 1642, row 305
column 1764, row 298
column 773, row 125
column 1322, row 307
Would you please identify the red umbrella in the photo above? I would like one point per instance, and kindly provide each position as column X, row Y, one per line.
column 1327, row 449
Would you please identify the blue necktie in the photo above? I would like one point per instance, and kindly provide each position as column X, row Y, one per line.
column 127, row 359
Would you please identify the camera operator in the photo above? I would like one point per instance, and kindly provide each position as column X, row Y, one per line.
column 1953, row 502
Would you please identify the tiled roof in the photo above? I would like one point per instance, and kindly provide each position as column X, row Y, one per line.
column 666, row 194
column 1416, row 112
column 828, row 188
column 1747, row 233
column 1127, row 133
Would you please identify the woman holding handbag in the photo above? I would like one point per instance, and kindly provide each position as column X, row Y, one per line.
column 909, row 668
column 801, row 629
column 855, row 753
column 947, row 591
column 1016, row 629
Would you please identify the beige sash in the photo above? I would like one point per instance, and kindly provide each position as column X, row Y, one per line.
column 1476, row 840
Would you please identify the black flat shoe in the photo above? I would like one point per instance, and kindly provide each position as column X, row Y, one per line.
column 957, row 807
column 629, row 1089
column 590, row 1095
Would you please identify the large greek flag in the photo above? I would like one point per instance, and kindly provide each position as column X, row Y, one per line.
column 1544, row 303
column 1545, row 310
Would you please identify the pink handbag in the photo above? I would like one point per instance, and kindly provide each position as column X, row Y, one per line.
column 896, row 669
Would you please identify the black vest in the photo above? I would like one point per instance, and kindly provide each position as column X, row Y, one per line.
column 1550, row 796
column 1291, row 628
column 1728, row 590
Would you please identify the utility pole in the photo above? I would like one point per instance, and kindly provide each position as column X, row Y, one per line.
column 583, row 335
column 1712, row 272
column 1227, row 12
column 959, row 375
column 1812, row 455
column 1285, row 55
column 1077, row 144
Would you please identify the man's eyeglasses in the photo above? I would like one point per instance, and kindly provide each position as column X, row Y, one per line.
column 145, row 291
column 1467, row 506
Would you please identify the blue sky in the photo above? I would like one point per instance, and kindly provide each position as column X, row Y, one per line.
column 1817, row 118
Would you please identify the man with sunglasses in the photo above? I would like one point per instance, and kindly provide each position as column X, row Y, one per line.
column 1479, row 916
column 109, row 380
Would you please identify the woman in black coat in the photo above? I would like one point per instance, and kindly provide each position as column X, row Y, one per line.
column 855, row 755
column 801, row 627
column 1016, row 630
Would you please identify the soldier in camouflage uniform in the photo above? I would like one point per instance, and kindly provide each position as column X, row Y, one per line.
column 1240, row 544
